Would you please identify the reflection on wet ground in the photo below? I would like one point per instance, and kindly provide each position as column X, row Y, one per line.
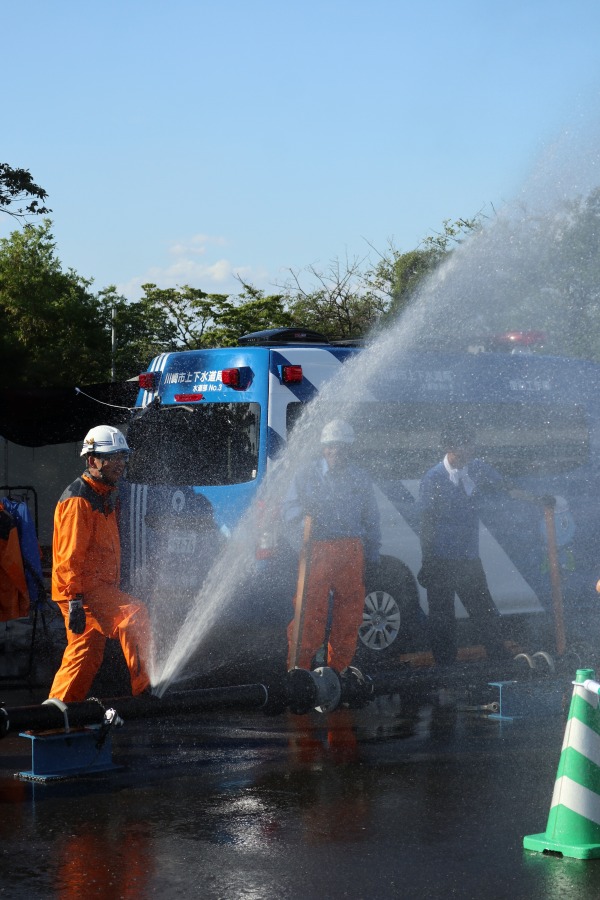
column 403, row 798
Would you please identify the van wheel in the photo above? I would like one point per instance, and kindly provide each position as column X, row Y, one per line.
column 391, row 614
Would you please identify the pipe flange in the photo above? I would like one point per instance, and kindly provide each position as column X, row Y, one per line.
column 329, row 689
column 301, row 690
column 357, row 688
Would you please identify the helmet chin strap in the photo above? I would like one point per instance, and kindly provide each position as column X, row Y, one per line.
column 99, row 476
column 101, row 471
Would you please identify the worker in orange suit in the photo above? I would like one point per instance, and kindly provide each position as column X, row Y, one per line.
column 336, row 501
column 86, row 572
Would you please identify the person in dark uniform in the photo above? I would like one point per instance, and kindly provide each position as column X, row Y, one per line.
column 449, row 498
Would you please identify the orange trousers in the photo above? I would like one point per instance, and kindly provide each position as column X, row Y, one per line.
column 110, row 614
column 336, row 566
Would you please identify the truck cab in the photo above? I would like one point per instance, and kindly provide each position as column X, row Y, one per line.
column 208, row 425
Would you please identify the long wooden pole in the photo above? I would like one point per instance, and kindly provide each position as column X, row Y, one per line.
column 303, row 570
column 557, row 597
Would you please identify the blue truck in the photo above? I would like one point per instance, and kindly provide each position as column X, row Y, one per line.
column 210, row 423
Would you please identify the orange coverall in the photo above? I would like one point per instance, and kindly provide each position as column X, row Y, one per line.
column 345, row 535
column 337, row 566
column 87, row 560
column 14, row 596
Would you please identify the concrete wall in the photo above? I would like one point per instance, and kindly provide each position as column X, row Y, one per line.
column 48, row 469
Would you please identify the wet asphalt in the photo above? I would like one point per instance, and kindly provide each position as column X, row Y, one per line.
column 412, row 796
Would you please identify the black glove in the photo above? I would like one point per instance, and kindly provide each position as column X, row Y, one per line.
column 426, row 573
column 548, row 500
column 77, row 615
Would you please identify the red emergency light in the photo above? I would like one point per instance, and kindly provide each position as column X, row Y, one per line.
column 231, row 377
column 516, row 341
column 523, row 338
column 148, row 381
column 291, row 374
column 239, row 379
column 188, row 398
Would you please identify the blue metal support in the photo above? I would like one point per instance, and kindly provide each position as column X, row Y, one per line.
column 67, row 754
column 532, row 699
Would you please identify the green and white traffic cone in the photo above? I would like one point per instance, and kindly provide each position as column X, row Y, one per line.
column 574, row 821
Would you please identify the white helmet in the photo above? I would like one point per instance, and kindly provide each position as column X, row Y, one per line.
column 337, row 432
column 104, row 439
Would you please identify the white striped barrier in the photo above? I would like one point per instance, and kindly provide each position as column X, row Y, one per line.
column 573, row 827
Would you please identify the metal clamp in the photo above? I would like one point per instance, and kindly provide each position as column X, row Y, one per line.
column 53, row 701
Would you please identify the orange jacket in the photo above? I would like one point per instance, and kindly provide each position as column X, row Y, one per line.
column 86, row 552
column 14, row 597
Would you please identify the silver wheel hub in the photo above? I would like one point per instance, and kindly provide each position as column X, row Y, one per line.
column 381, row 621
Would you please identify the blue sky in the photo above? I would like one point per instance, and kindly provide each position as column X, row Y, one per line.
column 184, row 141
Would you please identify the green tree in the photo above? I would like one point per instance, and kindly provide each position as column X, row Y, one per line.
column 17, row 187
column 183, row 318
column 529, row 270
column 51, row 331
column 186, row 314
column 398, row 275
column 574, row 267
column 342, row 305
column 247, row 312
column 54, row 330
column 162, row 320
column 353, row 297
column 140, row 332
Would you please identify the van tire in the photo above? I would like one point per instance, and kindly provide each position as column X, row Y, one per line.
column 392, row 615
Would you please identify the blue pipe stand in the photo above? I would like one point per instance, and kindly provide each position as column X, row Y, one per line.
column 531, row 699
column 70, row 753
column 57, row 755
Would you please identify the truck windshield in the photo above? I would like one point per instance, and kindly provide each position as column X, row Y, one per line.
column 212, row 444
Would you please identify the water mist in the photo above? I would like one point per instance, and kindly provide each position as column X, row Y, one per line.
column 510, row 274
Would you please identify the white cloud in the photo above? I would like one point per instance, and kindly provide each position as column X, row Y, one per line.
column 196, row 245
column 219, row 275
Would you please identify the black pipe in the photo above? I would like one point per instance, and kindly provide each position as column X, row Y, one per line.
column 298, row 691
column 48, row 716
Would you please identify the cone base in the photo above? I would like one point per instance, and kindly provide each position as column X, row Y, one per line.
column 543, row 844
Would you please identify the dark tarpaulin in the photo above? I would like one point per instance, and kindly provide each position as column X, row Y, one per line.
column 34, row 417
